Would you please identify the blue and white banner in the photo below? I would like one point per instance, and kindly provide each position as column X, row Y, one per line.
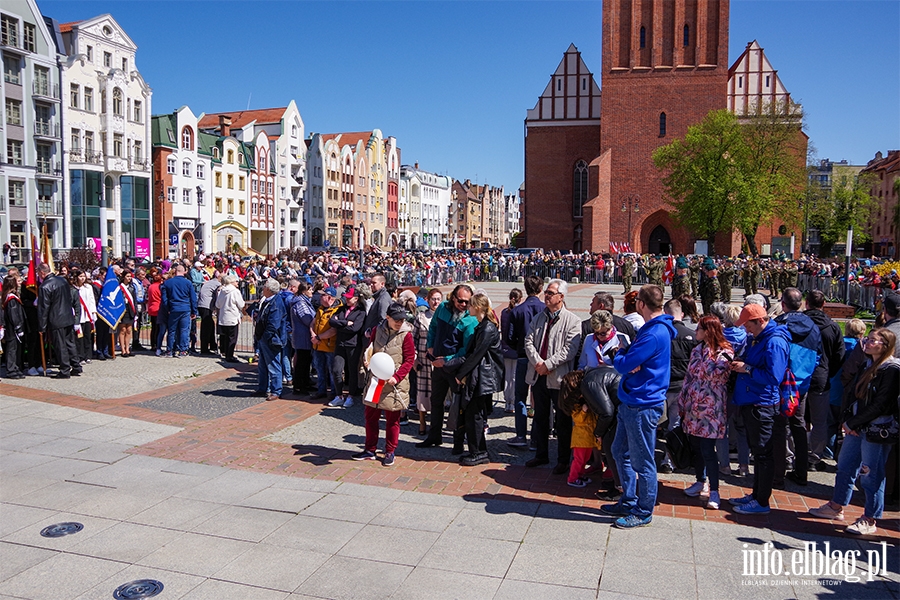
column 111, row 305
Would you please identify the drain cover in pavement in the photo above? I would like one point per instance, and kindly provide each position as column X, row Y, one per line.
column 141, row 588
column 61, row 529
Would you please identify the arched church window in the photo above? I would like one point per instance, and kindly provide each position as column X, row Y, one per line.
column 580, row 188
column 687, row 35
column 643, row 37
column 662, row 124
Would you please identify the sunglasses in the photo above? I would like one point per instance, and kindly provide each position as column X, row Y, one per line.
column 551, row 294
column 460, row 301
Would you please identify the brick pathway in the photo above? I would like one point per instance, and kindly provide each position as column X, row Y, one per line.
column 236, row 441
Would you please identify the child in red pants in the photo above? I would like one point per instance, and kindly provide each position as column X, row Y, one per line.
column 584, row 421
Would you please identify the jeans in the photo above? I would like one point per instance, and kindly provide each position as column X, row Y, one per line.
column 819, row 412
column 544, row 397
column 521, row 392
column 179, row 331
column 287, row 359
column 509, row 381
column 736, row 434
column 759, row 420
column 633, row 450
column 440, row 386
column 324, row 362
column 269, row 368
column 863, row 460
column 706, row 464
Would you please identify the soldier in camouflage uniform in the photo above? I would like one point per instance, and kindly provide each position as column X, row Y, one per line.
column 655, row 271
column 745, row 275
column 709, row 292
column 681, row 283
column 754, row 277
column 774, row 280
column 791, row 274
column 695, row 276
column 627, row 273
column 726, row 279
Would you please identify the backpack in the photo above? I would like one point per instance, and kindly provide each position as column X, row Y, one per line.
column 789, row 393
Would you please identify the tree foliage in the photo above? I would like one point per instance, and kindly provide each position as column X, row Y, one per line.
column 729, row 173
column 847, row 204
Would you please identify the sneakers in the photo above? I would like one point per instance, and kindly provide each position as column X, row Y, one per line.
column 713, row 502
column 632, row 521
column 364, row 455
column 32, row 372
column 699, row 488
column 751, row 508
column 579, row 483
column 740, row 501
column 517, row 442
column 388, row 459
column 616, row 510
column 473, row 460
column 611, row 494
column 861, row 527
column 338, row 401
column 348, row 402
column 826, row 512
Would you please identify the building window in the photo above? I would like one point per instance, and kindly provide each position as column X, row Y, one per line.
column 14, row 152
column 253, row 186
column 662, row 124
column 242, row 207
column 74, row 95
column 11, row 69
column 138, row 111
column 107, row 59
column 76, row 141
column 231, row 182
column 88, row 143
column 170, row 195
column 271, row 188
column 186, row 196
column 170, row 166
column 242, row 183
column 117, row 101
column 643, row 37
column 9, row 31
column 17, row 193
column 218, row 205
column 230, row 157
column 89, row 99
column 215, row 153
column 201, row 171
column 767, row 81
column 125, row 64
column 13, row 112
column 580, row 188
column 89, row 51
column 199, row 196
column 231, row 206
column 28, row 31
column 117, row 145
column 186, row 169
column 218, row 179
column 687, row 35
column 187, row 139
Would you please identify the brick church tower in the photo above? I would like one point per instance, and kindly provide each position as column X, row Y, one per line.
column 665, row 66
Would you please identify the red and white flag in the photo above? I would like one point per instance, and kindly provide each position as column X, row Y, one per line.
column 613, row 247
column 373, row 393
column 670, row 270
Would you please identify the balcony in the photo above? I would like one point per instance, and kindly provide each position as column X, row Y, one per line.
column 47, row 169
column 140, row 165
column 11, row 42
column 45, row 91
column 88, row 156
column 49, row 206
column 46, row 130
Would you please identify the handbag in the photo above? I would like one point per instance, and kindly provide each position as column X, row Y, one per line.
column 679, row 447
column 789, row 393
column 883, row 430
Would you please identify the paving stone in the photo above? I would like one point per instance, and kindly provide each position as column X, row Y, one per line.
column 667, row 539
column 31, row 535
column 474, row 523
column 350, row 508
column 240, row 523
column 16, row 486
column 430, row 584
column 14, row 517
column 15, row 558
column 657, row 578
column 344, row 578
column 227, row 488
column 60, row 576
column 367, row 491
column 284, row 500
column 512, row 589
column 432, row 499
column 178, row 513
column 13, row 462
column 61, row 468
column 126, row 542
column 416, row 516
column 196, row 554
column 537, row 563
column 212, row 589
column 60, row 496
column 274, row 567
column 115, row 504
column 307, row 485
column 104, row 452
column 389, row 544
column 487, row 557
column 175, row 585
column 212, row 401
column 314, row 534
column 581, row 534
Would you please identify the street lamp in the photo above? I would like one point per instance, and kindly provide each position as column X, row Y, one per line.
column 631, row 204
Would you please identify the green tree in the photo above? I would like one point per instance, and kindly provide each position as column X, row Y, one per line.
column 702, row 174
column 848, row 204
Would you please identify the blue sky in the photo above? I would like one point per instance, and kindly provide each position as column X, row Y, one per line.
column 452, row 80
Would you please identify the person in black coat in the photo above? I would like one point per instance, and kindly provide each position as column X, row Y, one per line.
column 14, row 327
column 480, row 373
column 56, row 315
column 348, row 321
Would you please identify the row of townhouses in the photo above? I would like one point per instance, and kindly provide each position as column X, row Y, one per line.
column 85, row 158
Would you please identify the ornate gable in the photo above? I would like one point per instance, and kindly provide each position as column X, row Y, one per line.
column 753, row 84
column 571, row 95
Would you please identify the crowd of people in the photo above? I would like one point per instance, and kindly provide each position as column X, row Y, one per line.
column 615, row 391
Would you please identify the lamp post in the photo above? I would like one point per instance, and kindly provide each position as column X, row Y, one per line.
column 631, row 205
column 198, row 241
column 104, row 253
column 165, row 245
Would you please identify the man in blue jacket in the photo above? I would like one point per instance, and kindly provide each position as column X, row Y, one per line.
column 757, row 394
column 645, row 367
column 519, row 326
column 270, row 337
column 180, row 299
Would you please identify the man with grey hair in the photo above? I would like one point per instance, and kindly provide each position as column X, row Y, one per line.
column 269, row 334
column 551, row 347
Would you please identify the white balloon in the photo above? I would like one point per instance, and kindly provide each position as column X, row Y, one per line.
column 382, row 365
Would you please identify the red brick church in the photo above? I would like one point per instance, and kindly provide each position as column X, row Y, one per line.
column 589, row 175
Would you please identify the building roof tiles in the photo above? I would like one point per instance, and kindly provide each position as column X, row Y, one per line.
column 241, row 117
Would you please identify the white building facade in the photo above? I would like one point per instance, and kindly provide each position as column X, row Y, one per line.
column 428, row 200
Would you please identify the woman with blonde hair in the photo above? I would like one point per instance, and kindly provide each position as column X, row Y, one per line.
column 479, row 373
column 510, row 354
column 870, row 405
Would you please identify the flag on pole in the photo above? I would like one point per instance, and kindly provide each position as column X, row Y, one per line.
column 670, row 270
column 613, row 248
column 45, row 248
column 32, row 281
column 111, row 305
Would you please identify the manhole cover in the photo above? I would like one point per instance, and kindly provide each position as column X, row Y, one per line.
column 141, row 588
column 61, row 529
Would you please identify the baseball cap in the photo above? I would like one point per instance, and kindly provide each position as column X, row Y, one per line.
column 351, row 291
column 750, row 313
column 892, row 302
column 330, row 291
column 396, row 311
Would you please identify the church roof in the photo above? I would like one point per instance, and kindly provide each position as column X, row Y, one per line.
column 753, row 83
column 571, row 95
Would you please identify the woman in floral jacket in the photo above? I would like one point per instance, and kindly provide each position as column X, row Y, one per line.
column 702, row 405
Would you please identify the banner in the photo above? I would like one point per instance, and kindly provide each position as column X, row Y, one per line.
column 95, row 244
column 142, row 247
column 111, row 305
column 32, row 281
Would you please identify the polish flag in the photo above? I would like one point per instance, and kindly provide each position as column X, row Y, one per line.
column 670, row 270
column 373, row 393
column 613, row 247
